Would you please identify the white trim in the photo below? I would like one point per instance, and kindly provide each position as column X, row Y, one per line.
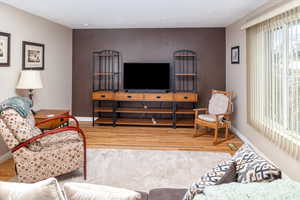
column 5, row 157
column 277, row 11
column 84, row 119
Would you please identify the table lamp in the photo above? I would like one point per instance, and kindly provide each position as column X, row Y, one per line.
column 30, row 80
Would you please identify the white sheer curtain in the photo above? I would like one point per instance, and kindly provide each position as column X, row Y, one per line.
column 273, row 67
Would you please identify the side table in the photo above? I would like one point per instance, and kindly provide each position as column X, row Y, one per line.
column 44, row 114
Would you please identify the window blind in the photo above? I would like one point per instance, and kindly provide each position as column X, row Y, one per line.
column 273, row 79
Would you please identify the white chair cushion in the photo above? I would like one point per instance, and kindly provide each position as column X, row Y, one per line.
column 218, row 104
column 208, row 118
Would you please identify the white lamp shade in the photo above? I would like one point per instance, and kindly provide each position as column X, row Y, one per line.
column 30, row 79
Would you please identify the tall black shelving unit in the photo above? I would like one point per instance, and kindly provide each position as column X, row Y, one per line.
column 106, row 77
column 106, row 70
column 185, row 71
column 185, row 79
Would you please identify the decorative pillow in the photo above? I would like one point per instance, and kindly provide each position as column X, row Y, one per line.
column 80, row 191
column 222, row 173
column 43, row 190
column 253, row 168
column 20, row 127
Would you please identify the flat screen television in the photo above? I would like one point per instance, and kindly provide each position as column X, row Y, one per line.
column 147, row 76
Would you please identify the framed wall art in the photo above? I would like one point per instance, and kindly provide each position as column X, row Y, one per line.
column 33, row 56
column 4, row 49
column 235, row 55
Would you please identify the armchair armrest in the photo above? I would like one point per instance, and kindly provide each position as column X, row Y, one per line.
column 51, row 132
column 59, row 117
column 223, row 114
column 199, row 110
column 217, row 116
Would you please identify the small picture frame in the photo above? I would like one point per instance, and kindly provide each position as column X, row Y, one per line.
column 235, row 55
column 33, row 56
column 4, row 49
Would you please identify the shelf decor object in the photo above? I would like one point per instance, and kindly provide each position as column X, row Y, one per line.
column 33, row 56
column 30, row 80
column 4, row 49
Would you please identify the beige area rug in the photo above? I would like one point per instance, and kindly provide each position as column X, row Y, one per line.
column 143, row 170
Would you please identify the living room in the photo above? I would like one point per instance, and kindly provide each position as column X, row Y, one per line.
column 149, row 100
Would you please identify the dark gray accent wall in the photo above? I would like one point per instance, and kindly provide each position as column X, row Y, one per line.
column 147, row 45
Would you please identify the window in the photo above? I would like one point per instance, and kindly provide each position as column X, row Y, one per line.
column 273, row 65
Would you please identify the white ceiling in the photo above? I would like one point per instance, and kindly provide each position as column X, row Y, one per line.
column 139, row 13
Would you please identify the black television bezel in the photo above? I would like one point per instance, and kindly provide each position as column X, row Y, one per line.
column 148, row 90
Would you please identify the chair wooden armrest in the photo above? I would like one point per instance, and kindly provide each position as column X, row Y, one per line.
column 217, row 116
column 200, row 109
column 197, row 110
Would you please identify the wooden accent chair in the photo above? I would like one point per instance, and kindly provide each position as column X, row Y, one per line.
column 40, row 155
column 216, row 116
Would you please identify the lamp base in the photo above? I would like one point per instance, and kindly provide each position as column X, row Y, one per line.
column 33, row 112
column 31, row 98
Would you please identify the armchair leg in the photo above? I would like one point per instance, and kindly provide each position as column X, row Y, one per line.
column 195, row 131
column 226, row 132
column 84, row 166
column 216, row 136
column 84, row 156
column 226, row 138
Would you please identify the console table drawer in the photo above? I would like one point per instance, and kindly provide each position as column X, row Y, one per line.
column 103, row 96
column 158, row 97
column 186, row 97
column 122, row 96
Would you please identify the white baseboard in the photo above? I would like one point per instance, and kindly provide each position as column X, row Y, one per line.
column 247, row 141
column 5, row 157
column 84, row 119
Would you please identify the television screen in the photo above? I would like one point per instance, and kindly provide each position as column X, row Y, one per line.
column 146, row 76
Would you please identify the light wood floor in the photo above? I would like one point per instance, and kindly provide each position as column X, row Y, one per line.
column 154, row 138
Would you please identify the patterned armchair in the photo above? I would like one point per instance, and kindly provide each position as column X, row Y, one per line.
column 40, row 155
column 217, row 115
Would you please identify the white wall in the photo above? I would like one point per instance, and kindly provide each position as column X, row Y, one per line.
column 57, row 76
column 236, row 82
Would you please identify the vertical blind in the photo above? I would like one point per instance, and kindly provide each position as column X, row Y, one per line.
column 273, row 82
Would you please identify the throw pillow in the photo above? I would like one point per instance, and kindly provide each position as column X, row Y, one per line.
column 250, row 167
column 79, row 191
column 43, row 190
column 222, row 173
